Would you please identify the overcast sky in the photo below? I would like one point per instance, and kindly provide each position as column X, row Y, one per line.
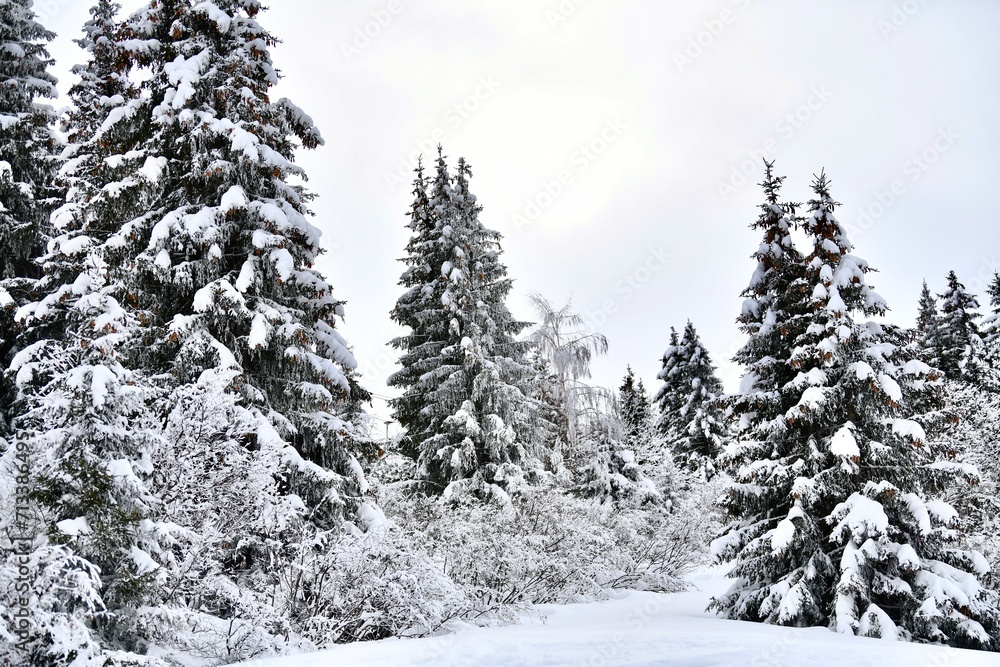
column 616, row 144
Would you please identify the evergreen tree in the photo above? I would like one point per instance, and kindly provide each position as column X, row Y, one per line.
column 990, row 331
column 26, row 168
column 771, row 315
column 103, row 81
column 468, row 417
column 222, row 262
column 690, row 418
column 182, row 270
column 832, row 521
column 958, row 337
column 637, row 417
column 667, row 400
column 927, row 331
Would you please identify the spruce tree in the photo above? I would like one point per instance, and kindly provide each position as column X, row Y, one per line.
column 221, row 264
column 691, row 420
column 27, row 147
column 927, row 331
column 466, row 408
column 182, row 282
column 990, row 331
column 833, row 521
column 667, row 400
column 770, row 315
column 958, row 338
column 637, row 418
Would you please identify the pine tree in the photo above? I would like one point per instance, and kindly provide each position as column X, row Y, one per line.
column 468, row 417
column 690, row 419
column 26, row 169
column 958, row 337
column 833, row 521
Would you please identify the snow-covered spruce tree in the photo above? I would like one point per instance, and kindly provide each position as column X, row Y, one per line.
column 832, row 524
column 927, row 330
column 103, row 81
column 221, row 263
column 691, row 421
column 85, row 431
column 958, row 338
column 972, row 436
column 990, row 332
column 769, row 316
column 469, row 419
column 636, row 414
column 184, row 203
column 26, row 167
column 618, row 442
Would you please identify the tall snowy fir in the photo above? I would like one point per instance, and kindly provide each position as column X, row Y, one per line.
column 990, row 332
column 103, row 81
column 27, row 149
column 927, row 330
column 691, row 420
column 833, row 520
column 201, row 412
column 958, row 338
column 636, row 412
column 466, row 407
column 771, row 315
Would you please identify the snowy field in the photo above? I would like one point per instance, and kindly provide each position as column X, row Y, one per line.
column 639, row 630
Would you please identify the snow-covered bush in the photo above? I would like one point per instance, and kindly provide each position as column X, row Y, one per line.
column 548, row 546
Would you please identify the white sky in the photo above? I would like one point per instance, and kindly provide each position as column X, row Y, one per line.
column 672, row 97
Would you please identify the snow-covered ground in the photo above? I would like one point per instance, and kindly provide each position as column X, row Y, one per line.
column 639, row 630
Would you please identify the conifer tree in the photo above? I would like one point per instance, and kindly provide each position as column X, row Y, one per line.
column 26, row 168
column 222, row 262
column 669, row 402
column 637, row 418
column 958, row 339
column 103, row 81
column 769, row 315
column 183, row 269
column 466, row 408
column 990, row 331
column 690, row 419
column 833, row 521
column 927, row 330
